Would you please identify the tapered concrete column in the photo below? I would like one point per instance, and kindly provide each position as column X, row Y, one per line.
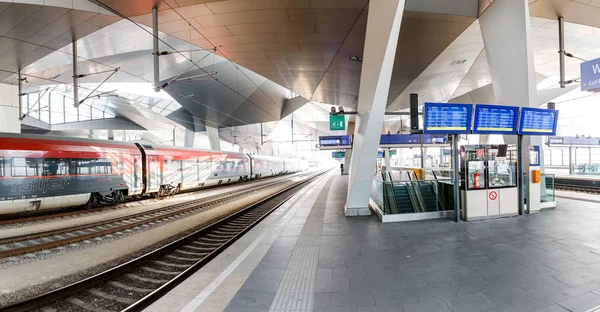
column 348, row 157
column 383, row 28
column 9, row 108
column 188, row 139
column 213, row 138
column 506, row 30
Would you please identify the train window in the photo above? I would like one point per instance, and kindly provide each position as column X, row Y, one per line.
column 119, row 165
column 83, row 166
column 101, row 166
column 53, row 167
column 1, row 166
column 24, row 167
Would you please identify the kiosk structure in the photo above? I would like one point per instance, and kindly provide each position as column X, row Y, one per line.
column 493, row 180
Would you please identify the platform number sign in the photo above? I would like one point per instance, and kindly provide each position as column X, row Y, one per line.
column 337, row 122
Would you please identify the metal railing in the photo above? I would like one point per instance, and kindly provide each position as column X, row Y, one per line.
column 412, row 196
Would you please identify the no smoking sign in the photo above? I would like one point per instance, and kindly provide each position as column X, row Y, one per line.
column 493, row 195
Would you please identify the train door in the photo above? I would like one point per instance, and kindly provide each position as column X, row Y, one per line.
column 154, row 174
column 137, row 174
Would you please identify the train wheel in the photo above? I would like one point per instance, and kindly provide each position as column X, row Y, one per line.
column 119, row 198
column 93, row 202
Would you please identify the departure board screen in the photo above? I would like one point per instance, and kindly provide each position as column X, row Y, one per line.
column 447, row 118
column 538, row 121
column 495, row 119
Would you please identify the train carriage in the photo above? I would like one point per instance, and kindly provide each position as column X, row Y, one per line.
column 266, row 166
column 172, row 169
column 53, row 172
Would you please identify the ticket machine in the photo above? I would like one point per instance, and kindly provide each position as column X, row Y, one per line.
column 490, row 174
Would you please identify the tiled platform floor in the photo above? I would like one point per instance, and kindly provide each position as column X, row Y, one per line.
column 326, row 262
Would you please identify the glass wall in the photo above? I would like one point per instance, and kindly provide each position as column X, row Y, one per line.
column 54, row 105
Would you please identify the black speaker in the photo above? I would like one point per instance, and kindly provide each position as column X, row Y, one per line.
column 414, row 112
column 551, row 105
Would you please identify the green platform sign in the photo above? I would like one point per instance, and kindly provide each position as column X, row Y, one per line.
column 338, row 155
column 337, row 122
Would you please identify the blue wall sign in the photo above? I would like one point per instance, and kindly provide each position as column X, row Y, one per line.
column 573, row 141
column 409, row 139
column 590, row 75
column 538, row 121
column 387, row 139
column 447, row 118
column 435, row 139
column 337, row 140
column 380, row 154
column 495, row 119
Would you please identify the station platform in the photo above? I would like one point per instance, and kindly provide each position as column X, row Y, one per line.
column 307, row 256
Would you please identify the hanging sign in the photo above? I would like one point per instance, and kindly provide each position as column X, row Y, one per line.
column 590, row 75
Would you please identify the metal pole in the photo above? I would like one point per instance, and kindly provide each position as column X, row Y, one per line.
column 570, row 163
column 520, row 174
column 561, row 47
column 261, row 134
column 174, row 135
column 423, row 156
column 155, row 47
column 456, row 165
column 75, row 73
column 20, row 96
column 292, row 128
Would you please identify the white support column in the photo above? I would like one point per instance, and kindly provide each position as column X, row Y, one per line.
column 383, row 29
column 348, row 157
column 9, row 108
column 188, row 139
column 213, row 138
column 506, row 31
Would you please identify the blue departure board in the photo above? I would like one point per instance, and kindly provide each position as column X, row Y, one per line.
column 538, row 121
column 447, row 118
column 495, row 119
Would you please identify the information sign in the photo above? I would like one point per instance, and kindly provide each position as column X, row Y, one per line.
column 380, row 154
column 337, row 122
column 573, row 141
column 338, row 140
column 338, row 154
column 590, row 75
column 495, row 119
column 538, row 121
column 447, row 118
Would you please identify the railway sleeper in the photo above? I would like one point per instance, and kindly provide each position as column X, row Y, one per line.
column 174, row 265
column 157, row 271
column 129, row 288
column 85, row 306
column 99, row 293
column 208, row 249
column 189, row 253
column 185, row 258
column 146, row 279
column 220, row 237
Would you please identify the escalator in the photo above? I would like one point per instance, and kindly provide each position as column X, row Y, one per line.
column 403, row 201
column 429, row 198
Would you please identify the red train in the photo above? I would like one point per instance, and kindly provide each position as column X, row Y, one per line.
column 44, row 172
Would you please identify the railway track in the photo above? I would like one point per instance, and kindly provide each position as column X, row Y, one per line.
column 25, row 244
column 577, row 188
column 134, row 285
column 27, row 217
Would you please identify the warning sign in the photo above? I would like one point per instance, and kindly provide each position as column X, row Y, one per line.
column 493, row 195
column 480, row 152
